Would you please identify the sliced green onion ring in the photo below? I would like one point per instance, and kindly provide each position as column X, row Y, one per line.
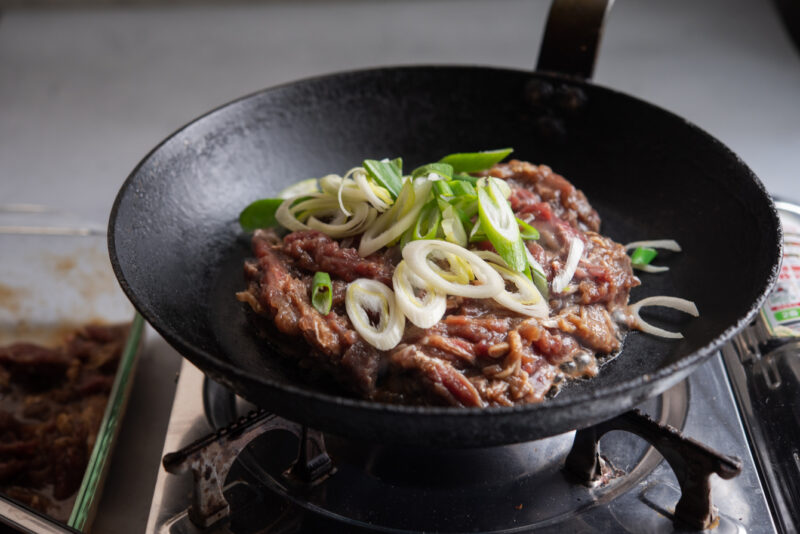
column 459, row 271
column 423, row 311
column 641, row 258
column 537, row 274
column 441, row 188
column 475, row 161
column 375, row 194
column 461, row 177
column 643, row 255
column 365, row 297
column 476, row 234
column 527, row 231
column 663, row 244
column 416, row 255
column 453, row 228
column 526, row 300
column 441, row 171
column 500, row 224
column 391, row 224
column 322, row 292
column 260, row 214
column 502, row 185
column 427, row 224
column 564, row 277
column 461, row 188
column 387, row 174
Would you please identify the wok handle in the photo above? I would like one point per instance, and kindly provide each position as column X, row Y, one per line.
column 572, row 37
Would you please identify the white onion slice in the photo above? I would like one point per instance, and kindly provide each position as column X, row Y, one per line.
column 339, row 192
column 303, row 187
column 363, row 215
column 416, row 255
column 651, row 268
column 502, row 185
column 423, row 312
column 683, row 305
column 392, row 223
column 286, row 214
column 360, row 178
column 306, row 213
column 330, row 184
column 526, row 300
column 346, row 190
column 563, row 278
column 370, row 295
column 664, row 244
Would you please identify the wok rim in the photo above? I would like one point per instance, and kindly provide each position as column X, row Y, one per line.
column 223, row 369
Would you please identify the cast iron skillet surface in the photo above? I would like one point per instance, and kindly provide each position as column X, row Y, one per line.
column 177, row 249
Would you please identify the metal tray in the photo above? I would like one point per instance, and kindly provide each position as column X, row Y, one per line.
column 55, row 276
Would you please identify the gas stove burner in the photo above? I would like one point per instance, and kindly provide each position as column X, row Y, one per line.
column 502, row 489
column 506, row 488
column 341, row 486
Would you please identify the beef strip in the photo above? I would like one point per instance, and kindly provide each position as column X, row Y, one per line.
column 479, row 354
column 51, row 411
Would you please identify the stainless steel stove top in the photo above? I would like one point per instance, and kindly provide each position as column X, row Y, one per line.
column 540, row 498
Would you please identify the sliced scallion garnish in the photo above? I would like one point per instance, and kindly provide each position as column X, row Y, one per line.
column 443, row 171
column 260, row 214
column 536, row 274
column 425, row 310
column 322, row 292
column 390, row 225
column 638, row 262
column 540, row 281
column 467, row 206
column 452, row 227
column 367, row 299
column 500, row 225
column 387, row 174
column 462, row 188
column 527, row 231
column 527, row 299
column 475, row 161
column 461, row 177
column 643, row 256
column 428, row 222
column 442, row 189
column 423, row 259
column 476, row 235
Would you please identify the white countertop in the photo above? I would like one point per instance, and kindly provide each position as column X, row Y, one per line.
column 86, row 93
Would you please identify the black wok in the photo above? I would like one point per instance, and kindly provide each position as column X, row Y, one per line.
column 177, row 249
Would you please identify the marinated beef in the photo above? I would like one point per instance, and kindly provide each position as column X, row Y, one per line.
column 53, row 400
column 479, row 354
